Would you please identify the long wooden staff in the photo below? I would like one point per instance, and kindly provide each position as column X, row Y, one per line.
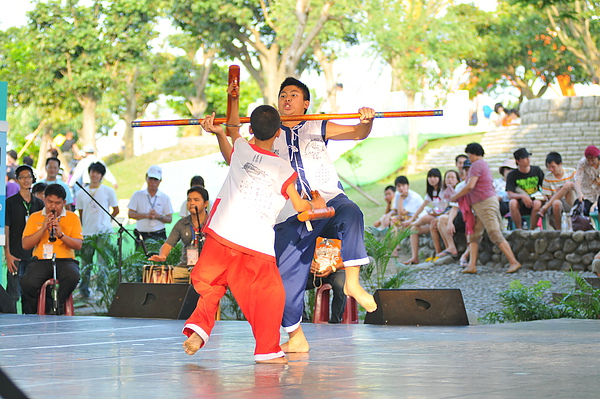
column 233, row 101
column 315, row 117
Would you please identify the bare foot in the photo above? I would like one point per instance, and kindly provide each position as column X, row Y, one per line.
column 469, row 270
column 357, row 292
column 192, row 344
column 277, row 360
column 513, row 268
column 297, row 342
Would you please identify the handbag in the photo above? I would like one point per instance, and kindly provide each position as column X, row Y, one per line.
column 579, row 222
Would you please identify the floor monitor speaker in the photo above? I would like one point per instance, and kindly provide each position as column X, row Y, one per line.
column 154, row 301
column 424, row 307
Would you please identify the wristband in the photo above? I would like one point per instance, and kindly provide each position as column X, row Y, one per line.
column 333, row 269
column 60, row 238
column 312, row 207
column 228, row 125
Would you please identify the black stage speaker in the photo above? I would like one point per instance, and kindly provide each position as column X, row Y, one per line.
column 443, row 307
column 154, row 301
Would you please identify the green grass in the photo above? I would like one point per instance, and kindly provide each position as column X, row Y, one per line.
column 130, row 173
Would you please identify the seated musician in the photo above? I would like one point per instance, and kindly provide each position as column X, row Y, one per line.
column 188, row 230
column 53, row 230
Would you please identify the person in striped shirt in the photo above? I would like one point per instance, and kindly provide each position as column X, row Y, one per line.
column 558, row 188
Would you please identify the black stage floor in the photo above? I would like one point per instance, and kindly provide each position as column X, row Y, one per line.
column 102, row 357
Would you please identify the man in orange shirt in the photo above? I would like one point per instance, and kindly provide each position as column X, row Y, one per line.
column 53, row 230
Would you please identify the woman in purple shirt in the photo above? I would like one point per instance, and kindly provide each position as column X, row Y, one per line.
column 480, row 194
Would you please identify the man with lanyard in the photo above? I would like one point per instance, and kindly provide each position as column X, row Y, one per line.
column 151, row 208
column 18, row 209
column 52, row 231
column 188, row 230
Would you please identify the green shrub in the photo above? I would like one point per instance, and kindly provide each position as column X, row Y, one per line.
column 521, row 303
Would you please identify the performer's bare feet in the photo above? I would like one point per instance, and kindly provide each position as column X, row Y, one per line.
column 277, row 360
column 192, row 344
column 352, row 288
column 469, row 270
column 513, row 268
column 297, row 342
column 365, row 299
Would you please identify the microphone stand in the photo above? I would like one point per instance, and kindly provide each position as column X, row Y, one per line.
column 199, row 230
column 120, row 232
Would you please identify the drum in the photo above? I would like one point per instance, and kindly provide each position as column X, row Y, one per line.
column 158, row 274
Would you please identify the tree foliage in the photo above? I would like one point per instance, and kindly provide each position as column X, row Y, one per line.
column 520, row 50
column 270, row 39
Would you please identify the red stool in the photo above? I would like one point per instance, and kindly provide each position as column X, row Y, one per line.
column 69, row 309
column 321, row 313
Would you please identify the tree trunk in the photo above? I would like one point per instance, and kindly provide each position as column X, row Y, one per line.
column 330, row 82
column 88, row 129
column 130, row 112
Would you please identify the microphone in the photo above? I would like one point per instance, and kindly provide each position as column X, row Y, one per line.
column 52, row 237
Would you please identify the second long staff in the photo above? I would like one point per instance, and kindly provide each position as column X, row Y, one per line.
column 299, row 118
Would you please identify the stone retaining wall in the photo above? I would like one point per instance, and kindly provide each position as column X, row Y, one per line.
column 536, row 250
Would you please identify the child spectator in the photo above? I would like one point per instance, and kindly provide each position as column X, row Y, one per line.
column 239, row 248
column 388, row 196
column 500, row 184
column 406, row 201
column 418, row 223
column 587, row 179
column 558, row 189
column 451, row 179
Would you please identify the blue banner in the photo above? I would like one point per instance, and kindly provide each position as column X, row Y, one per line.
column 3, row 130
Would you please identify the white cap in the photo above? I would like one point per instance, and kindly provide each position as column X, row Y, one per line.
column 88, row 149
column 155, row 172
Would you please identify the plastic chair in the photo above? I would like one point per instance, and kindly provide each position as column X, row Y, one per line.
column 41, row 309
column 321, row 313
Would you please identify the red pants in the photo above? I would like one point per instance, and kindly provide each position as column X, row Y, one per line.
column 254, row 282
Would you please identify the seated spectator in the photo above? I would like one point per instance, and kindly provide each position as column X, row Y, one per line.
column 196, row 181
column 388, row 196
column 451, row 179
column 419, row 223
column 500, row 184
column 587, row 179
column 523, row 187
column 406, row 201
column 336, row 278
column 53, row 230
column 558, row 189
column 497, row 117
column 596, row 264
column 459, row 161
column 512, row 118
column 188, row 230
column 452, row 222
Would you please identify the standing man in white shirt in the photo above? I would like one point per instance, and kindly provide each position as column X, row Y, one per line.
column 151, row 207
column 95, row 223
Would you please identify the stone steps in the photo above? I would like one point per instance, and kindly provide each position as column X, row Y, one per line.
column 570, row 139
